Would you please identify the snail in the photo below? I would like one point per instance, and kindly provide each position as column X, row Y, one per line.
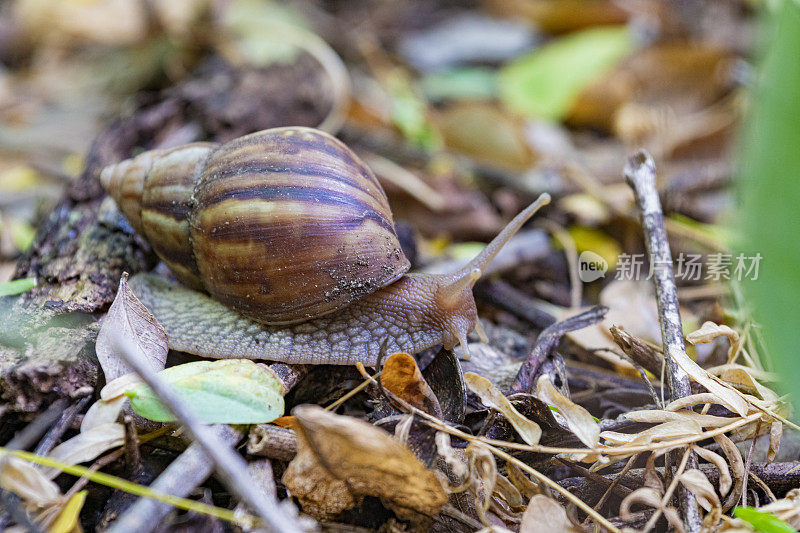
column 291, row 236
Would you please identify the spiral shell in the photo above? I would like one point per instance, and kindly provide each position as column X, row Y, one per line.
column 282, row 225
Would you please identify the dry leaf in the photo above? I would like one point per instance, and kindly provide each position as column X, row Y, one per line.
column 667, row 430
column 129, row 318
column 579, row 421
column 775, row 433
column 710, row 331
column 87, row 446
column 698, row 483
column 727, row 396
column 545, row 515
column 655, row 416
column 369, row 460
column 725, row 480
column 492, row 397
column 401, row 376
column 321, row 495
column 28, row 482
column 651, row 498
column 119, row 386
column 102, row 412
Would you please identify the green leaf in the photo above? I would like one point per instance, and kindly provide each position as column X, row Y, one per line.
column 460, row 84
column 762, row 521
column 229, row 391
column 18, row 286
column 771, row 192
column 546, row 82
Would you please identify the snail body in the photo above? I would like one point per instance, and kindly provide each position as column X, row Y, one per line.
column 292, row 237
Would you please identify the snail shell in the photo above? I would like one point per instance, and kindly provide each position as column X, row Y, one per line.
column 282, row 225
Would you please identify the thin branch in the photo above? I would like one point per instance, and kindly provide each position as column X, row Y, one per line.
column 640, row 173
column 230, row 466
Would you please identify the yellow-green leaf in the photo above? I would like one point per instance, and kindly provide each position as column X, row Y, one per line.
column 546, row 82
column 762, row 521
column 230, row 391
column 67, row 518
column 18, row 286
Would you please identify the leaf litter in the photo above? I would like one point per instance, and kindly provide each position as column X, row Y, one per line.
column 426, row 445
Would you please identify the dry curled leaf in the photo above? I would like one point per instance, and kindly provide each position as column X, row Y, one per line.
column 697, row 482
column 727, row 396
column 320, row 494
column 492, row 397
column 667, row 430
column 401, row 376
column 27, row 482
column 725, row 480
column 88, row 445
column 651, row 498
column 102, row 412
column 368, row 460
column 656, row 416
column 579, row 421
column 545, row 515
column 129, row 318
column 710, row 331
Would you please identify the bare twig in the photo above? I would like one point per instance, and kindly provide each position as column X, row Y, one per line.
column 182, row 476
column 640, row 173
column 548, row 340
column 748, row 462
column 230, row 466
column 501, row 294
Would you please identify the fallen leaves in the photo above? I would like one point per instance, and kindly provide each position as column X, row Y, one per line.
column 341, row 458
column 401, row 376
column 492, row 397
column 129, row 318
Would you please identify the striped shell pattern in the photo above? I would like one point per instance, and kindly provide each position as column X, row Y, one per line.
column 282, row 225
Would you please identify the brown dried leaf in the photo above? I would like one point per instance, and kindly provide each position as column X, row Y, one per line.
column 697, row 482
column 655, row 416
column 88, row 445
column 370, row 461
column 579, row 420
column 725, row 480
column 667, row 430
column 320, row 494
column 28, row 482
column 727, row 396
column 775, row 433
column 545, row 515
column 102, row 412
column 492, row 397
column 401, row 376
column 710, row 331
column 129, row 318
column 736, row 464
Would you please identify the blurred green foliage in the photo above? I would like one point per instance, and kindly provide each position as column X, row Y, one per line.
column 770, row 181
column 546, row 82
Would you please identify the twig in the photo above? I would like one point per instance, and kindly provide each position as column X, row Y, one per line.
column 502, row 295
column 548, row 340
column 182, row 476
column 640, row 173
column 668, row 493
column 748, row 462
column 60, row 427
column 614, row 483
column 230, row 466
